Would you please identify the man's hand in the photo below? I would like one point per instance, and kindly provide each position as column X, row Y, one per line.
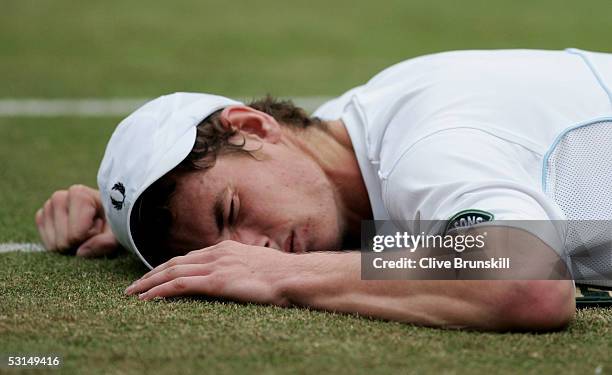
column 73, row 219
column 230, row 270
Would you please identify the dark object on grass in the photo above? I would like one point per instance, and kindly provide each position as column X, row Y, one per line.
column 590, row 296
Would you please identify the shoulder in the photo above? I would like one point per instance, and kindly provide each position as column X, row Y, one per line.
column 459, row 153
column 460, row 169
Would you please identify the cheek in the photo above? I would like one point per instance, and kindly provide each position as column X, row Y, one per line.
column 322, row 233
column 283, row 182
column 302, row 176
column 277, row 193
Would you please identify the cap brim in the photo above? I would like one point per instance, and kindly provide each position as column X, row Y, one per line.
column 173, row 157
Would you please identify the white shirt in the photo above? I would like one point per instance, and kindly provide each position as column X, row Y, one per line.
column 469, row 130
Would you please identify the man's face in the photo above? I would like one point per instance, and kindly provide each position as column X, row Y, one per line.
column 283, row 201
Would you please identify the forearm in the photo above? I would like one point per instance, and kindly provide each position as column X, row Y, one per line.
column 332, row 282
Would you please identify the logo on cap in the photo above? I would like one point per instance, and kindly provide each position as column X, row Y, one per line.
column 117, row 195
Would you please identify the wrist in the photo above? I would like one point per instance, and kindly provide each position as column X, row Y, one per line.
column 310, row 278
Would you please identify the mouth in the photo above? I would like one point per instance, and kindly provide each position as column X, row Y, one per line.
column 292, row 245
column 295, row 243
column 288, row 245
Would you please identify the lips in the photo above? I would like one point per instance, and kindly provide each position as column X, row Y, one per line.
column 295, row 245
column 292, row 244
column 288, row 244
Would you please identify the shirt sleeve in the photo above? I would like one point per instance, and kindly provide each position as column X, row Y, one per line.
column 463, row 177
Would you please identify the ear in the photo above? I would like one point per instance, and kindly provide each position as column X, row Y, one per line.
column 251, row 121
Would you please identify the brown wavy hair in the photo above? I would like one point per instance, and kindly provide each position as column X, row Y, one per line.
column 152, row 217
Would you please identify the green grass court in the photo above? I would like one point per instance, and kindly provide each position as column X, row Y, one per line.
column 115, row 49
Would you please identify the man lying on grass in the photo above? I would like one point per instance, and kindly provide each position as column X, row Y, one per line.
column 252, row 202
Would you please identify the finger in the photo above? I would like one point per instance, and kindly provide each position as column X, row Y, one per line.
column 39, row 218
column 83, row 215
column 99, row 225
column 172, row 262
column 203, row 256
column 209, row 248
column 102, row 244
column 192, row 257
column 181, row 286
column 183, row 270
column 60, row 220
column 48, row 226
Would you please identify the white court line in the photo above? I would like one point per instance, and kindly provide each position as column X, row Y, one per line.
column 34, row 107
column 20, row 246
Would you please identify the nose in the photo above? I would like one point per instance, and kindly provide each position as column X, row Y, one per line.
column 251, row 237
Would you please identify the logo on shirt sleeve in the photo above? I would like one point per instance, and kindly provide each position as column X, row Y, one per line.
column 467, row 218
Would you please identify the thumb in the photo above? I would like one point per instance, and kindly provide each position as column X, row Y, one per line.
column 104, row 243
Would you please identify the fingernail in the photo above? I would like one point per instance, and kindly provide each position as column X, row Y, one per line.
column 128, row 289
column 142, row 295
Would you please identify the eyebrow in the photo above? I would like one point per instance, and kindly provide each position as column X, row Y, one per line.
column 219, row 209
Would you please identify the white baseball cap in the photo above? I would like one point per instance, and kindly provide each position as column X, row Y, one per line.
column 145, row 146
